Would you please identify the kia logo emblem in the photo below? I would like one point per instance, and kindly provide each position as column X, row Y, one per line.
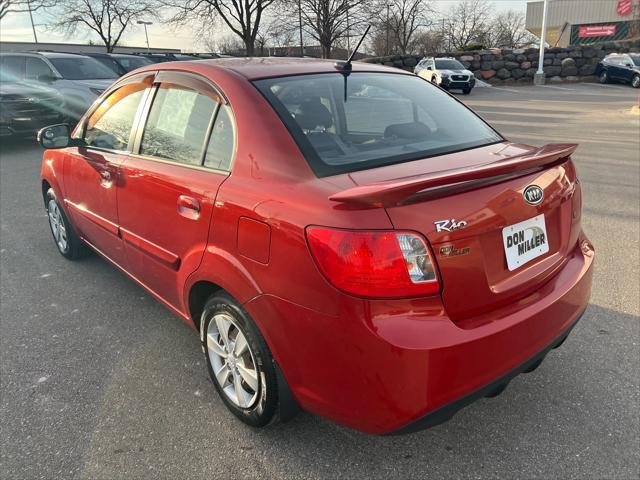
column 533, row 195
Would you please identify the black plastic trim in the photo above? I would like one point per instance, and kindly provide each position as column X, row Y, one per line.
column 447, row 411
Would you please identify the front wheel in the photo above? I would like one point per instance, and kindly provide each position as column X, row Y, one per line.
column 635, row 81
column 466, row 91
column 604, row 77
column 239, row 361
column 68, row 243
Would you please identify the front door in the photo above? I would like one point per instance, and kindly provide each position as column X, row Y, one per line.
column 91, row 172
column 167, row 190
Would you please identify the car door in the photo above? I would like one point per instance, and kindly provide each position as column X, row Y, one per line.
column 92, row 171
column 615, row 69
column 626, row 69
column 169, row 184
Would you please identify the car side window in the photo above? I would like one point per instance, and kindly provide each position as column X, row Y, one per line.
column 36, row 68
column 109, row 126
column 221, row 142
column 177, row 125
column 12, row 68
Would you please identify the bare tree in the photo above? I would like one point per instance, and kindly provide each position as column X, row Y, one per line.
column 468, row 22
column 429, row 42
column 243, row 17
column 107, row 18
column 228, row 45
column 405, row 18
column 24, row 6
column 328, row 20
column 508, row 30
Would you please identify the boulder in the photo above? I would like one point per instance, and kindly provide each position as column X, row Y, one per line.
column 552, row 71
column 530, row 73
column 503, row 73
column 487, row 74
column 525, row 65
column 557, row 61
column 518, row 51
column 475, row 65
column 555, row 79
column 521, row 58
column 511, row 65
column 589, row 52
column 388, row 64
column 580, row 62
column 572, row 78
column 477, row 58
column 487, row 58
column 532, row 56
column 397, row 63
column 410, row 62
column 466, row 58
column 568, row 62
column 497, row 65
column 562, row 55
column 569, row 71
column 548, row 61
column 509, row 57
column 575, row 53
column 485, row 66
column 517, row 73
column 523, row 80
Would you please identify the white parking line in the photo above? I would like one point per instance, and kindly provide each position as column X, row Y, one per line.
column 557, row 88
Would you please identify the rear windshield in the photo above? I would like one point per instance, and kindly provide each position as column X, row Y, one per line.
column 131, row 63
column 636, row 60
column 449, row 65
column 82, row 68
column 343, row 124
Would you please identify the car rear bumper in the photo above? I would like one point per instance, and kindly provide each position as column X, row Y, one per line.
column 396, row 366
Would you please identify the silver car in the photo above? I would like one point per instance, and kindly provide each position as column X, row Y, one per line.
column 78, row 78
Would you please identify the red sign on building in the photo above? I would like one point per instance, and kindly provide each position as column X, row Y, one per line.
column 625, row 7
column 590, row 31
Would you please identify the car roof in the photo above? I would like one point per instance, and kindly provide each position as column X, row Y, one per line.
column 254, row 68
column 61, row 54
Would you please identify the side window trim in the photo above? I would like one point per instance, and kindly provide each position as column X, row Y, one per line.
column 188, row 80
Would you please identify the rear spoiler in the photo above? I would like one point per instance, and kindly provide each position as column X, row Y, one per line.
column 393, row 192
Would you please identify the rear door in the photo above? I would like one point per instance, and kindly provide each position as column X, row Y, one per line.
column 169, row 184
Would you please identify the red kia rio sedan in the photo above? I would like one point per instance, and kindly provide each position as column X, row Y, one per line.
column 353, row 242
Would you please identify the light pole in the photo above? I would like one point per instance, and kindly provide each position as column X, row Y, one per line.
column 387, row 44
column 300, row 28
column 33, row 25
column 140, row 22
column 539, row 77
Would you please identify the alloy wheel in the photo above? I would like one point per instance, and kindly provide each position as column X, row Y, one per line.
column 57, row 226
column 635, row 83
column 232, row 361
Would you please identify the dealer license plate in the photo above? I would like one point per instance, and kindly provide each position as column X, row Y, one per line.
column 525, row 241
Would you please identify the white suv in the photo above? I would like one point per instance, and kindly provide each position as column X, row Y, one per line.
column 447, row 73
column 80, row 79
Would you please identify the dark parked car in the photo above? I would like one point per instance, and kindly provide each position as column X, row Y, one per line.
column 166, row 57
column 26, row 107
column 620, row 68
column 120, row 63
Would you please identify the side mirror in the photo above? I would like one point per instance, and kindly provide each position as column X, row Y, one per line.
column 628, row 65
column 55, row 136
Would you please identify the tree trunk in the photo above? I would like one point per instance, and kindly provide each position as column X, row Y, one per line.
column 249, row 46
column 326, row 50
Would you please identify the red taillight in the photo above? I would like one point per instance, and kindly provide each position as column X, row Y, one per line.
column 374, row 263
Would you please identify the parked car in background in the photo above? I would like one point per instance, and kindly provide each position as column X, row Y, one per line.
column 78, row 78
column 617, row 67
column 120, row 63
column 166, row 57
column 447, row 73
column 346, row 239
column 26, row 105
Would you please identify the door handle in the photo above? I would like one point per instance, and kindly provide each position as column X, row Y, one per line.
column 105, row 178
column 188, row 207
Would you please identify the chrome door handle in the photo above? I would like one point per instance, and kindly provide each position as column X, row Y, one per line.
column 105, row 178
column 188, row 207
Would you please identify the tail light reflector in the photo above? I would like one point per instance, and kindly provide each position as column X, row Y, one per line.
column 374, row 263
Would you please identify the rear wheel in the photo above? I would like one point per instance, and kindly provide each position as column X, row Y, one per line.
column 68, row 243
column 604, row 77
column 635, row 81
column 239, row 361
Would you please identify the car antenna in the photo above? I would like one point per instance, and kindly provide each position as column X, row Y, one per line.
column 345, row 67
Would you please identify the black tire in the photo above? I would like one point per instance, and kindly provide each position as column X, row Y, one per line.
column 635, row 81
column 263, row 411
column 603, row 77
column 74, row 249
column 466, row 91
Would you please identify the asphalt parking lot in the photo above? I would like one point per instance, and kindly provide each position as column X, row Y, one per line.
column 99, row 381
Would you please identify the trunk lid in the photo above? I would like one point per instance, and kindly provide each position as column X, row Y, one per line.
column 478, row 193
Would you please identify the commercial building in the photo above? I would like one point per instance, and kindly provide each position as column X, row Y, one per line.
column 571, row 22
column 75, row 48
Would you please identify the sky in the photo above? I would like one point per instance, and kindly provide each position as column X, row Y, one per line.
column 17, row 27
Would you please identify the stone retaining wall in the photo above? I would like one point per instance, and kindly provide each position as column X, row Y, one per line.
column 571, row 64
